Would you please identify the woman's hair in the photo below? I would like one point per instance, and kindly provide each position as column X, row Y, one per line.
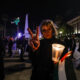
column 49, row 23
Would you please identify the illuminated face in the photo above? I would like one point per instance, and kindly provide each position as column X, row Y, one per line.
column 47, row 32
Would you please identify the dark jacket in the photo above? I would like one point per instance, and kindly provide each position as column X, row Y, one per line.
column 43, row 66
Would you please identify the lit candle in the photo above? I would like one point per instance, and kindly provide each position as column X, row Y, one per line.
column 57, row 50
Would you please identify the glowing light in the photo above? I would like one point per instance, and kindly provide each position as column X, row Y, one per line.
column 19, row 35
column 57, row 50
column 26, row 34
column 60, row 32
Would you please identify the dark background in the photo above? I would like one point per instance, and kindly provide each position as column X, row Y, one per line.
column 38, row 10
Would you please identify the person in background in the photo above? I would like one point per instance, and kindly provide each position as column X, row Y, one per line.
column 40, row 53
column 67, row 41
column 21, row 44
column 10, row 45
column 76, row 55
column 72, row 44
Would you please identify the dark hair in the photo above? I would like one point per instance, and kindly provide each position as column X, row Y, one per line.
column 51, row 24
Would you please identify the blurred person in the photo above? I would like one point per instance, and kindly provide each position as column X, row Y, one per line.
column 21, row 45
column 10, row 45
column 76, row 55
column 5, row 42
column 40, row 54
column 67, row 41
column 72, row 44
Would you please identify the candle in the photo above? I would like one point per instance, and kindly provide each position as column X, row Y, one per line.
column 57, row 50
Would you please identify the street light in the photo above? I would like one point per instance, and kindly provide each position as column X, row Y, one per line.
column 60, row 33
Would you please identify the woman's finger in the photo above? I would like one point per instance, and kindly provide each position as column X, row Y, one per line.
column 33, row 46
column 37, row 32
column 30, row 32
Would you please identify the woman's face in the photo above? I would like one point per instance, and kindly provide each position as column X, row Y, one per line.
column 47, row 32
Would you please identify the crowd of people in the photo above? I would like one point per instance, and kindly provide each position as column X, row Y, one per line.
column 40, row 52
column 6, row 49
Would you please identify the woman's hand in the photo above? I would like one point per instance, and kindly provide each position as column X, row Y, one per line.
column 34, row 41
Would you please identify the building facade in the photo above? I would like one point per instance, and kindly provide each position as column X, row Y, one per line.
column 75, row 23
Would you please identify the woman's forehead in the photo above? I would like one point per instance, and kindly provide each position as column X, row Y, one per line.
column 46, row 27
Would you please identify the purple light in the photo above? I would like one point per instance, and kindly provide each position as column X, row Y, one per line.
column 19, row 35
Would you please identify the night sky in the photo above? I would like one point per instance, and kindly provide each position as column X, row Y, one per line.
column 39, row 10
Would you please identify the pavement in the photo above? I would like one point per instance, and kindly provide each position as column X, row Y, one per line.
column 17, row 70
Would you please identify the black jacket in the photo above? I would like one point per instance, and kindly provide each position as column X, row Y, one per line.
column 43, row 66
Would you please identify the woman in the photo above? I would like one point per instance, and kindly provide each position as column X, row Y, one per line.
column 40, row 52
